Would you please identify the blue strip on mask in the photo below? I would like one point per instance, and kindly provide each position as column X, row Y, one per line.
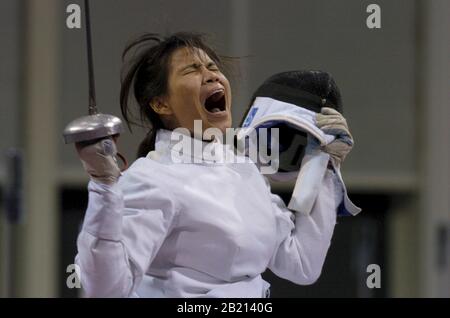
column 250, row 117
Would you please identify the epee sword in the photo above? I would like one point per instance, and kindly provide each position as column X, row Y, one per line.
column 95, row 125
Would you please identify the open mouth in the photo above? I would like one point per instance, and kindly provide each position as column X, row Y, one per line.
column 216, row 102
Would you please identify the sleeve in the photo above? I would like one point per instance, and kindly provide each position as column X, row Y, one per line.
column 303, row 239
column 121, row 234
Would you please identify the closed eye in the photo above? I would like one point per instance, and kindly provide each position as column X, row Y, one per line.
column 190, row 71
column 190, row 68
column 196, row 67
column 213, row 67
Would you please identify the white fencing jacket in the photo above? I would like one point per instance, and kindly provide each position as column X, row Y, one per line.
column 198, row 230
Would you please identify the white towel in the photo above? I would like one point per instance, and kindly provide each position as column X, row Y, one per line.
column 267, row 112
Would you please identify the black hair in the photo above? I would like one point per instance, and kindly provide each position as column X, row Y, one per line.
column 315, row 88
column 146, row 75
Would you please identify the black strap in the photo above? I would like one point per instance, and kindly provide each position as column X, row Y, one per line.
column 293, row 96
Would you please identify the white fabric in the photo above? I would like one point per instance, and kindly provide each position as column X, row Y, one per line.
column 263, row 113
column 198, row 230
column 266, row 110
column 309, row 180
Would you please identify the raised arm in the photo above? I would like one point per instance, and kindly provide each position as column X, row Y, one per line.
column 125, row 224
column 304, row 239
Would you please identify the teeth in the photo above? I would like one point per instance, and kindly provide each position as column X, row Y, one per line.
column 218, row 93
column 212, row 98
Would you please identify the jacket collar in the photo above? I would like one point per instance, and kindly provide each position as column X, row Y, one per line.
column 183, row 148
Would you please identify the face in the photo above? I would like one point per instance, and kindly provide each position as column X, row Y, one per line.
column 197, row 90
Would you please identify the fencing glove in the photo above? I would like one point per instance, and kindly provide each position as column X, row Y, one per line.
column 331, row 122
column 99, row 160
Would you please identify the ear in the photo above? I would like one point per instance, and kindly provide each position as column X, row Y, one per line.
column 160, row 106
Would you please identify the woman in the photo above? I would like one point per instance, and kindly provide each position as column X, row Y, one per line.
column 201, row 229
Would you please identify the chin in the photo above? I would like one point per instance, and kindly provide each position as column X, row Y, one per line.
column 223, row 125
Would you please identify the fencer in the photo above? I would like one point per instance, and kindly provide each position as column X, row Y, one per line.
column 207, row 229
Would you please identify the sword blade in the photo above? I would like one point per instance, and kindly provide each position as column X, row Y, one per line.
column 92, row 99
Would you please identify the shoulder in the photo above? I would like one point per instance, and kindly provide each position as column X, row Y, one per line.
column 144, row 185
column 146, row 170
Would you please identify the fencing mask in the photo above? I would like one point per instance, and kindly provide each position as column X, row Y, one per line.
column 289, row 101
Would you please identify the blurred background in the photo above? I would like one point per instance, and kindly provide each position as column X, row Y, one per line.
column 395, row 86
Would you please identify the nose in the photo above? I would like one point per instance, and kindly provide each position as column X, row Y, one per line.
column 210, row 76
